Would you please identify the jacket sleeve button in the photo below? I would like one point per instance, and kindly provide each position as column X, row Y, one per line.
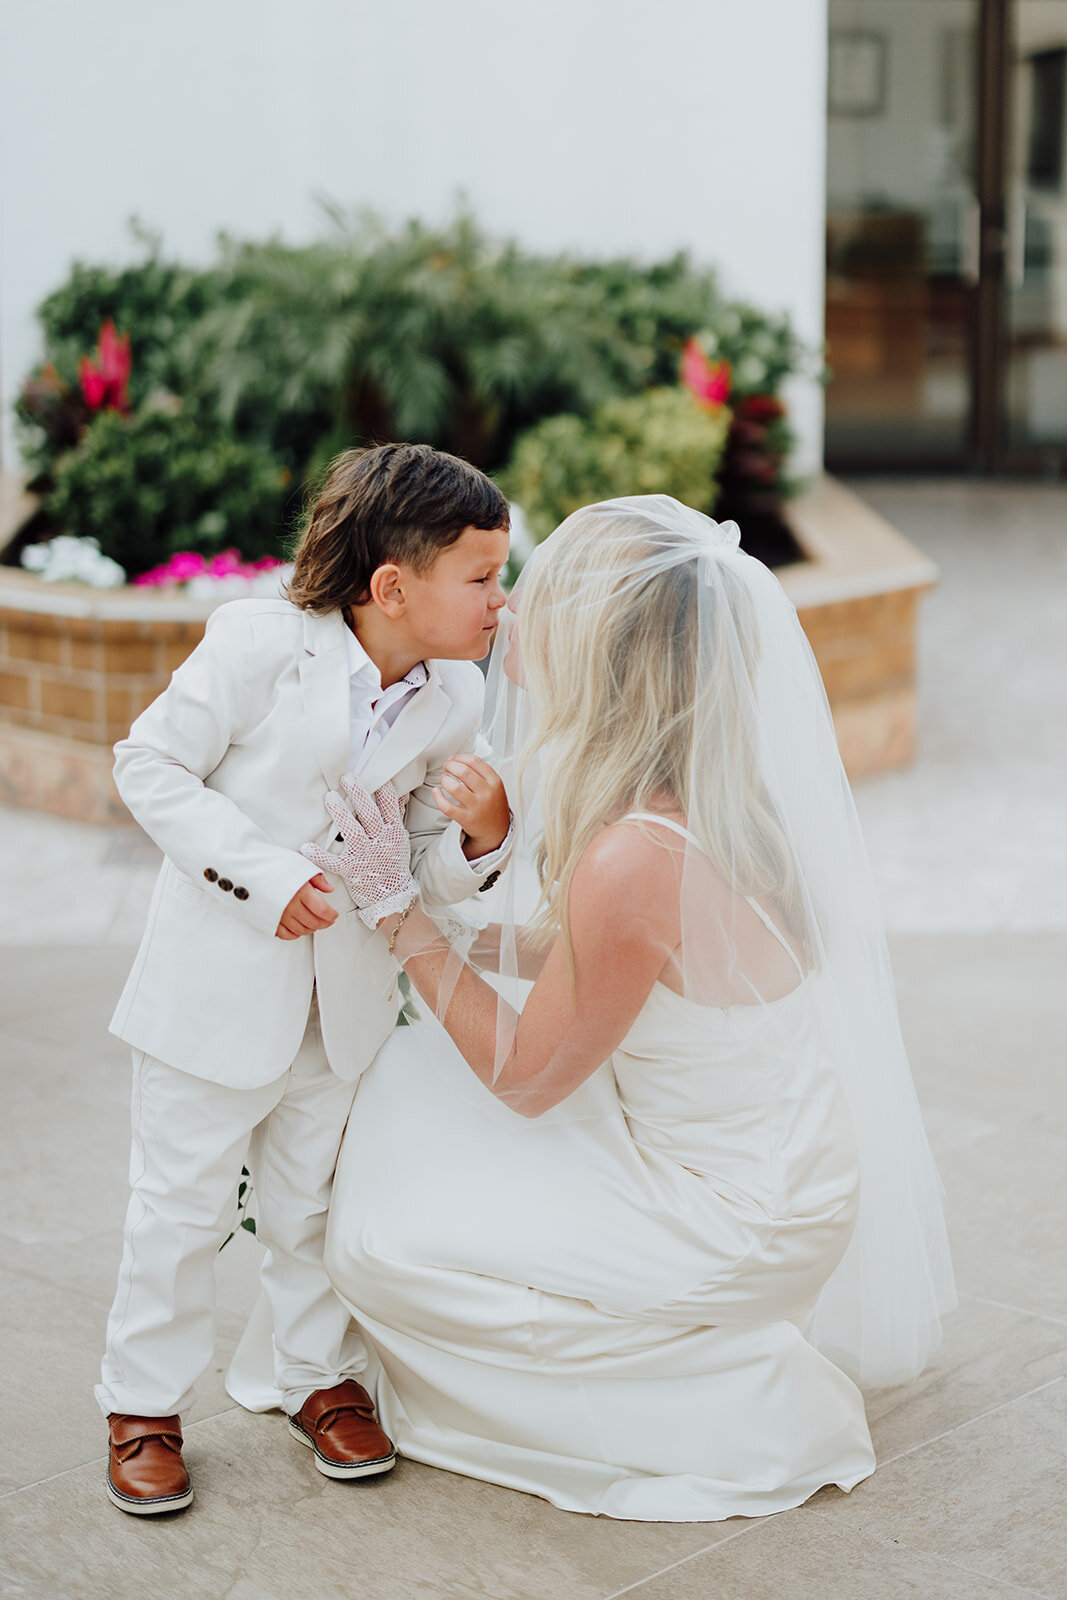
column 240, row 893
column 225, row 884
column 210, row 874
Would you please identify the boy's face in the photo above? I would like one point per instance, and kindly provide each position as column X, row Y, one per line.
column 451, row 611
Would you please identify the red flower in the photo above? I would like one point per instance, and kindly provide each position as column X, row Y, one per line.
column 760, row 408
column 707, row 381
column 753, row 466
column 104, row 383
column 94, row 385
column 746, row 434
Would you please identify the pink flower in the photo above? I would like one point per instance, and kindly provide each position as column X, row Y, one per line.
column 94, row 385
column 189, row 564
column 707, row 381
column 105, row 383
column 185, row 565
column 224, row 565
column 115, row 362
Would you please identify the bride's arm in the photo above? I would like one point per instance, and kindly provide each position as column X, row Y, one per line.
column 529, row 954
column 624, row 924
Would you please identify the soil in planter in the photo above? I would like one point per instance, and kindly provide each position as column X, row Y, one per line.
column 765, row 533
column 751, row 480
column 32, row 531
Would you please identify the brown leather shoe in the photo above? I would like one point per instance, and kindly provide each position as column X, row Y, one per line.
column 146, row 1473
column 340, row 1426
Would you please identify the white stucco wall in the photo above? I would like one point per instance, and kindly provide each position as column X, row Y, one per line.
column 597, row 125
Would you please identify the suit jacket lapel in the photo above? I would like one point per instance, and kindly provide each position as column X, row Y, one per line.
column 324, row 687
column 410, row 734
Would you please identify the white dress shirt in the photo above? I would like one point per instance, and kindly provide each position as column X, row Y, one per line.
column 373, row 709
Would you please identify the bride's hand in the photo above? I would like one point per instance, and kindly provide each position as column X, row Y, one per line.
column 376, row 861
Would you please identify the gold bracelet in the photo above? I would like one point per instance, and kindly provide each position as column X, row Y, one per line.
column 400, row 924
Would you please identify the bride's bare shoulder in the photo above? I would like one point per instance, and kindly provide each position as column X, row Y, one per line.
column 626, row 869
column 631, row 857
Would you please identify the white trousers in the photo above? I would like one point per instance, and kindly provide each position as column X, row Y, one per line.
column 190, row 1140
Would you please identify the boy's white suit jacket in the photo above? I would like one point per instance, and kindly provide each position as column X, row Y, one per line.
column 227, row 771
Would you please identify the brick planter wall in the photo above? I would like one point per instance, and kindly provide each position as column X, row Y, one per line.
column 857, row 596
column 77, row 665
column 866, row 654
column 86, row 677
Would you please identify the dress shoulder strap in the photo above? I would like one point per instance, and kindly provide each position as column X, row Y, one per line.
column 676, row 827
column 772, row 927
column 664, row 822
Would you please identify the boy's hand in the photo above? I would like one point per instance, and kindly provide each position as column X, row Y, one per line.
column 473, row 795
column 307, row 911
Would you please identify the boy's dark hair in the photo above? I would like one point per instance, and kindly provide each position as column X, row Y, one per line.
column 393, row 502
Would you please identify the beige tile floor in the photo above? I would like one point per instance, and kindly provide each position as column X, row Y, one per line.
column 970, row 853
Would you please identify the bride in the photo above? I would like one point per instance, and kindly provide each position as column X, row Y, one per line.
column 621, row 1215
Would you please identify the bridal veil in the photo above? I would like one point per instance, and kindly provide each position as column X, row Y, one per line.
column 646, row 604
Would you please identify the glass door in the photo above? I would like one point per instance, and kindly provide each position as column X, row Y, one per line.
column 1034, row 386
column 904, row 235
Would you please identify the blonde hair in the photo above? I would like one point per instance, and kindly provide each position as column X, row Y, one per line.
column 624, row 689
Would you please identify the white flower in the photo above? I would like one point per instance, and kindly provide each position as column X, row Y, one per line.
column 66, row 559
column 107, row 574
column 750, row 372
column 234, row 586
column 267, row 585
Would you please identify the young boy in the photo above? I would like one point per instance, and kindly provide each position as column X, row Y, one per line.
column 258, row 996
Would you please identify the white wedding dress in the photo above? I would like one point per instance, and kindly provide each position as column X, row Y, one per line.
column 604, row 1306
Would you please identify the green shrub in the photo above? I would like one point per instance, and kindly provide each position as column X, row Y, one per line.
column 156, row 302
column 279, row 356
column 660, row 442
column 158, row 482
column 762, row 348
column 653, row 309
column 437, row 334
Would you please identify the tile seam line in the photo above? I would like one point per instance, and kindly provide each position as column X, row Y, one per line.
column 931, row 1555
column 674, row 1565
column 969, row 1423
column 97, row 1461
column 1020, row 1311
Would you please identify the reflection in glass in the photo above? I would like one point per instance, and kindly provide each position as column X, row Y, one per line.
column 902, row 229
column 1037, row 233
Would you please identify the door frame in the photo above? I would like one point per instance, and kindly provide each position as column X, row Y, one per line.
column 994, row 451
column 988, row 331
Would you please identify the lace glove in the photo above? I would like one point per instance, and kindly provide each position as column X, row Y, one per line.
column 376, row 861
